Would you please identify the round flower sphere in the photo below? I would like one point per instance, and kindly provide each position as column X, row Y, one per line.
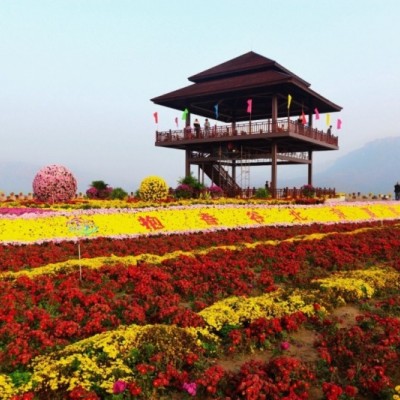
column 153, row 188
column 54, row 183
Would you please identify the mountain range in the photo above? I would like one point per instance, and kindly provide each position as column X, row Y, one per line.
column 373, row 168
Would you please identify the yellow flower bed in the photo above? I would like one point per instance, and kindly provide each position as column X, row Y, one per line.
column 237, row 310
column 111, row 223
column 336, row 290
column 97, row 358
column 350, row 286
column 7, row 389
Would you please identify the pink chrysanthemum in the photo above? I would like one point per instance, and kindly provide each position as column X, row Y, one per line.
column 54, row 183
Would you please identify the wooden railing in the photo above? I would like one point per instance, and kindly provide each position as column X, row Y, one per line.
column 282, row 126
column 296, row 193
column 288, row 193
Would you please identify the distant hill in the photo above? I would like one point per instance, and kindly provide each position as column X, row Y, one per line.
column 374, row 168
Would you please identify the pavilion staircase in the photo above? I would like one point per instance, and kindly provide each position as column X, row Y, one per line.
column 220, row 177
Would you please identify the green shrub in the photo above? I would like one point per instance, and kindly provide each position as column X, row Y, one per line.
column 262, row 193
column 99, row 190
column 184, row 191
column 193, row 183
column 119, row 194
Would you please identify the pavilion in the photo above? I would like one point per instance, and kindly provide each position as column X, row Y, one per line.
column 262, row 116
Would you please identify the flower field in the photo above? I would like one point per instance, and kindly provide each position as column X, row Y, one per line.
column 217, row 300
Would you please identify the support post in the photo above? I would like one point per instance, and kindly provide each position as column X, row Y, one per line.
column 233, row 127
column 274, row 167
column 310, row 167
column 310, row 118
column 187, row 163
column 274, row 113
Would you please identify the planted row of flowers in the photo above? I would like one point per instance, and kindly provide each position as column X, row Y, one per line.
column 131, row 260
column 262, row 319
column 64, row 225
column 189, row 310
column 28, row 256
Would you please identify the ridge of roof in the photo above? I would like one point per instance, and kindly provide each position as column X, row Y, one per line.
column 247, row 63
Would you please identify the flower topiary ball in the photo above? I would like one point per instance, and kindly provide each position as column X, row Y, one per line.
column 153, row 188
column 54, row 183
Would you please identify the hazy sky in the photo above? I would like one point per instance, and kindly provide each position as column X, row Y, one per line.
column 77, row 76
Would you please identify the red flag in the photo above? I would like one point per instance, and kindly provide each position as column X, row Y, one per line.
column 176, row 121
column 249, row 105
column 339, row 124
column 316, row 113
column 303, row 118
column 156, row 117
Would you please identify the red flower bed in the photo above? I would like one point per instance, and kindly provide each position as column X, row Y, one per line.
column 50, row 311
column 14, row 258
column 365, row 355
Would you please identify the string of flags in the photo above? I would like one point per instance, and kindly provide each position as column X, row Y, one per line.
column 184, row 115
column 250, row 109
column 316, row 112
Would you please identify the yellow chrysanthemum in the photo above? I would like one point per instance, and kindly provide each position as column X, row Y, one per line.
column 6, row 387
column 96, row 360
column 237, row 310
column 153, row 188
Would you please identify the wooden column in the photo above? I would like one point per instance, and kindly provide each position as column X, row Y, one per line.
column 187, row 152
column 274, row 113
column 274, row 147
column 274, row 167
column 310, row 118
column 310, row 154
column 187, row 122
column 187, row 163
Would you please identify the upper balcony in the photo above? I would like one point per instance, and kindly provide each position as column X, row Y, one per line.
column 284, row 128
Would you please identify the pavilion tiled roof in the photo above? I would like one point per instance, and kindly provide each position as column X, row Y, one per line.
column 251, row 75
column 247, row 63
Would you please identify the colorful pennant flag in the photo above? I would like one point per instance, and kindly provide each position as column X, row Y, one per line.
column 289, row 101
column 316, row 113
column 303, row 118
column 216, row 111
column 328, row 119
column 155, row 117
column 339, row 124
column 249, row 105
column 185, row 113
column 176, row 121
